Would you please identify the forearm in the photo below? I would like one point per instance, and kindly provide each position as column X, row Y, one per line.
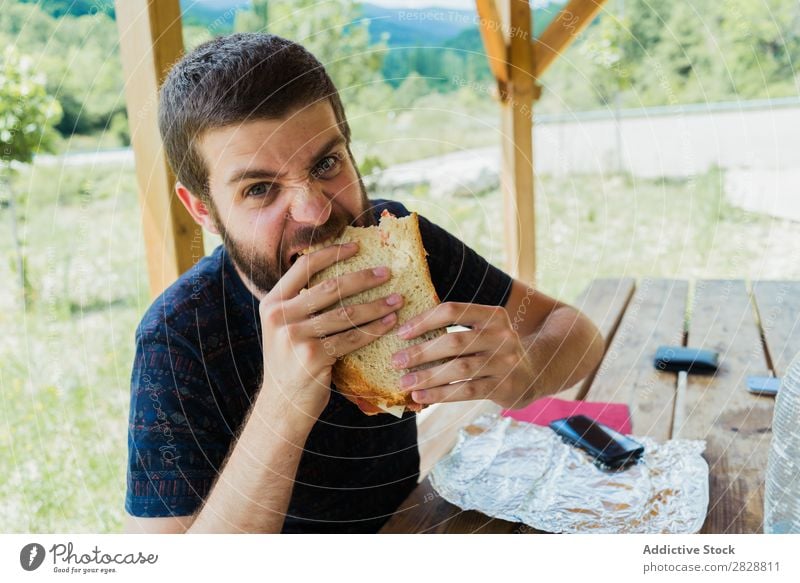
column 253, row 490
column 565, row 349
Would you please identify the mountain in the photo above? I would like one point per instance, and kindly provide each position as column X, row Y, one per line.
column 220, row 13
column 409, row 27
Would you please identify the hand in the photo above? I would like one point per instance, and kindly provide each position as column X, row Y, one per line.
column 302, row 341
column 488, row 361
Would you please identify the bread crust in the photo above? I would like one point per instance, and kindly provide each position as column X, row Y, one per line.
column 347, row 374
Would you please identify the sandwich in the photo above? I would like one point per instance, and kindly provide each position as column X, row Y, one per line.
column 366, row 376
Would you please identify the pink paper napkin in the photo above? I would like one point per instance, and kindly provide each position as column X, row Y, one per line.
column 547, row 409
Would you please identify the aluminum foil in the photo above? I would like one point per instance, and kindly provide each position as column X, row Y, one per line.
column 525, row 473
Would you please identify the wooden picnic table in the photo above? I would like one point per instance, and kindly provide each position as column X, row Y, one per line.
column 756, row 330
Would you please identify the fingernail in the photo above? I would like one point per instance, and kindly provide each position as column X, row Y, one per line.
column 404, row 329
column 400, row 359
column 418, row 396
column 388, row 318
column 393, row 299
column 380, row 271
column 408, row 380
column 350, row 245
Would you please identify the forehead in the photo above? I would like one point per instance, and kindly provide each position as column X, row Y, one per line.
column 280, row 144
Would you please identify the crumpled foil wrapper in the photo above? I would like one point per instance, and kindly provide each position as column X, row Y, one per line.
column 525, row 473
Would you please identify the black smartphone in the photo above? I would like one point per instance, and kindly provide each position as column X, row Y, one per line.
column 763, row 385
column 678, row 358
column 610, row 449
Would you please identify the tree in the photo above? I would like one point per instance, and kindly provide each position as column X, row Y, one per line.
column 79, row 57
column 27, row 117
column 333, row 31
column 253, row 20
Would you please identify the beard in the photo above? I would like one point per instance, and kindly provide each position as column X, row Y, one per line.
column 264, row 271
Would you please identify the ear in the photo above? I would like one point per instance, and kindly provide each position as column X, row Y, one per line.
column 197, row 208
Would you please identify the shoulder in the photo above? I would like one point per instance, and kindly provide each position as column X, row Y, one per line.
column 195, row 290
column 394, row 207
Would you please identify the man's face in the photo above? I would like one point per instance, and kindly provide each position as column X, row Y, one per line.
column 278, row 186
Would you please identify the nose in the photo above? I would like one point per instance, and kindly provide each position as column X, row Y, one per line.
column 310, row 205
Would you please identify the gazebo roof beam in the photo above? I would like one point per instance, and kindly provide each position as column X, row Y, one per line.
column 560, row 33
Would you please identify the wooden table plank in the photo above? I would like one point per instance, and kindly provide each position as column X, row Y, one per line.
column 778, row 305
column 438, row 425
column 604, row 302
column 718, row 408
column 424, row 511
column 655, row 316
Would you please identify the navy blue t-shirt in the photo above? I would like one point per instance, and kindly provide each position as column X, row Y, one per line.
column 197, row 370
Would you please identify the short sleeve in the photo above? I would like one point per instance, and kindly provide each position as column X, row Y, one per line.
column 460, row 274
column 177, row 436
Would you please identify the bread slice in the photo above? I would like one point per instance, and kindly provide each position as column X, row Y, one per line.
column 366, row 375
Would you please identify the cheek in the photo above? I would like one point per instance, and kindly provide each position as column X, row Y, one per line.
column 263, row 228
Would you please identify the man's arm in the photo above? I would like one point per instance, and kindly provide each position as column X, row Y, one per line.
column 253, row 489
column 512, row 355
column 562, row 345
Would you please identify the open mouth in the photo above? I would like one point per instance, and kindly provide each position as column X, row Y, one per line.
column 293, row 257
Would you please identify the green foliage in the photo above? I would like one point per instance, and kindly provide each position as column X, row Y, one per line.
column 78, row 54
column 370, row 164
column 679, row 52
column 27, row 112
column 119, row 128
column 332, row 31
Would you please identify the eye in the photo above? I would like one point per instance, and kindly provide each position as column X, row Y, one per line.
column 328, row 167
column 260, row 189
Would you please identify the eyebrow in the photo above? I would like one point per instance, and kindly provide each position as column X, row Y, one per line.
column 249, row 173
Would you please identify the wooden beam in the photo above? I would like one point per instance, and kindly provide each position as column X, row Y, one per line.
column 517, row 124
column 151, row 40
column 560, row 33
column 491, row 28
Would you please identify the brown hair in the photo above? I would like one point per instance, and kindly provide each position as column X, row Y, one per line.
column 232, row 79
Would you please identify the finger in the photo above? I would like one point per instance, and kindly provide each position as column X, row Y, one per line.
column 346, row 317
column 346, row 342
column 449, row 314
column 458, row 369
column 446, row 346
column 469, row 390
column 297, row 276
column 331, row 291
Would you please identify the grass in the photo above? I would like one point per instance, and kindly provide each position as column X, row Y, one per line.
column 65, row 360
column 592, row 226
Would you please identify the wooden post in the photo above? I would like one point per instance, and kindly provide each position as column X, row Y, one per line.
column 517, row 124
column 151, row 40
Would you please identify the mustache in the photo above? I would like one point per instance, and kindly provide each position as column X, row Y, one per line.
column 308, row 236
